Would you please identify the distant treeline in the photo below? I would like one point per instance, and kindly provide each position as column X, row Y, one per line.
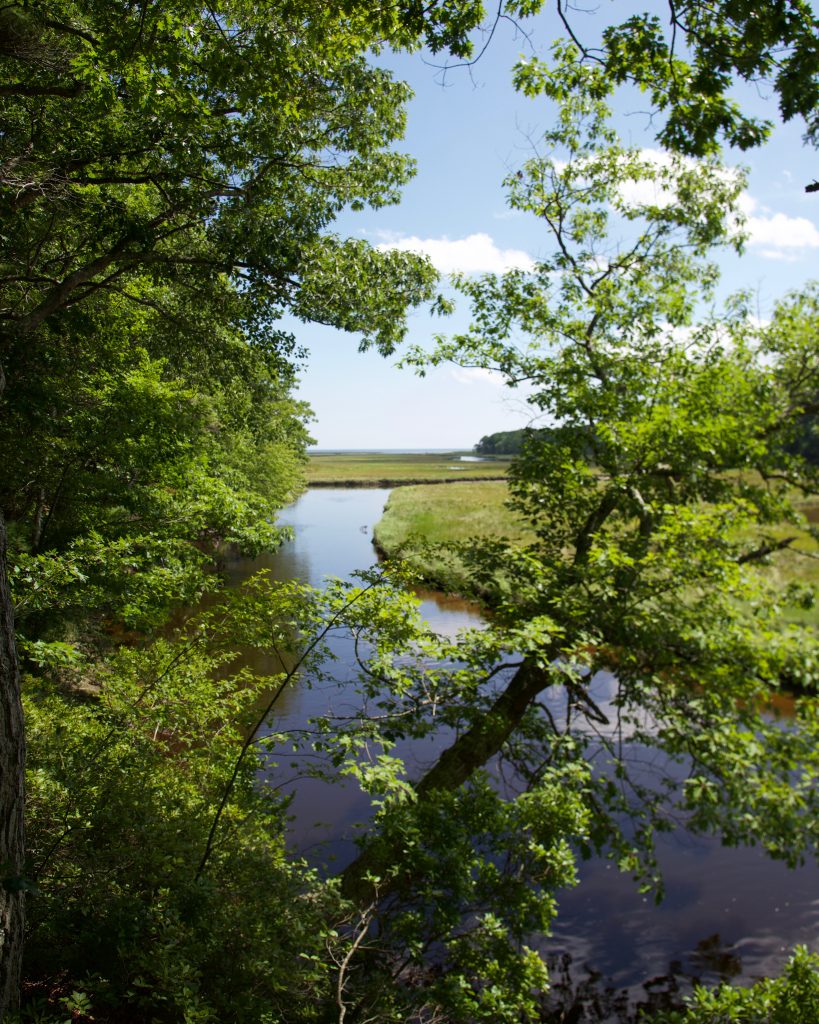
column 805, row 441
column 510, row 442
column 507, row 442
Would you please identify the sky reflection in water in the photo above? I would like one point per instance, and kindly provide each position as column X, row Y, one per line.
column 727, row 912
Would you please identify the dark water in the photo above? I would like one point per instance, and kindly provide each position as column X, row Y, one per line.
column 332, row 538
column 728, row 913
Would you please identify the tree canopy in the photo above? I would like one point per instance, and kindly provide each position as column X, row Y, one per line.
column 169, row 178
column 503, row 442
column 191, row 144
column 660, row 500
column 687, row 59
column 169, row 182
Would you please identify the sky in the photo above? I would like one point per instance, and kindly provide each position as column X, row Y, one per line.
column 468, row 130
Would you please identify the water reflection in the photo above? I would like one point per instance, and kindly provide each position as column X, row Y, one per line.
column 727, row 913
column 332, row 538
column 448, row 614
column 757, row 906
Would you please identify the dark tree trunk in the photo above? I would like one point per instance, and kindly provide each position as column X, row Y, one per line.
column 454, row 767
column 39, row 513
column 12, row 797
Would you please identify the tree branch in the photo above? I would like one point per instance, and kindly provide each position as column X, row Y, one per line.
column 765, row 549
column 454, row 767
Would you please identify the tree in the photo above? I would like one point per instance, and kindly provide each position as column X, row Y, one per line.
column 186, row 166
column 689, row 63
column 165, row 889
column 792, row 998
column 659, row 498
column 504, row 442
column 174, row 175
column 511, row 442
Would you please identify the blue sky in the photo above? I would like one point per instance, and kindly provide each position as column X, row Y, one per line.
column 468, row 130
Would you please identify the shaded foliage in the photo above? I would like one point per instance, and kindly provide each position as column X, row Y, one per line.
column 169, row 179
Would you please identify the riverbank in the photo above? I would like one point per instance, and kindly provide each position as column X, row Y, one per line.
column 392, row 482
column 417, row 520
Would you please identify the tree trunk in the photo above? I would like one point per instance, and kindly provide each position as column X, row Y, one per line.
column 456, row 764
column 37, row 528
column 12, row 797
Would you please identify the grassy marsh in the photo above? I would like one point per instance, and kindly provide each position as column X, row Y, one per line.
column 377, row 469
column 418, row 516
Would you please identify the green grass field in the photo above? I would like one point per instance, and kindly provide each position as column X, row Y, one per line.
column 374, row 469
column 448, row 514
column 799, row 562
column 416, row 516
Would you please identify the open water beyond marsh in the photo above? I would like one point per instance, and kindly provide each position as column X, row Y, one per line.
column 728, row 913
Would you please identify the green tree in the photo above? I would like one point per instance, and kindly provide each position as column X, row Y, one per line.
column 512, row 442
column 164, row 889
column 172, row 175
column 792, row 998
column 659, row 499
column 504, row 442
column 688, row 59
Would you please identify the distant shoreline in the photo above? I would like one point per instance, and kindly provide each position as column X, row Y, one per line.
column 399, row 483
column 398, row 469
column 390, row 451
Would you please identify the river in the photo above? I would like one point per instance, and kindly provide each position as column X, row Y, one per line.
column 728, row 913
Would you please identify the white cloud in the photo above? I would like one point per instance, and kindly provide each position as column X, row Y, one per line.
column 781, row 234
column 780, row 237
column 747, row 204
column 475, row 254
column 477, row 375
column 659, row 190
column 646, row 191
column 781, row 255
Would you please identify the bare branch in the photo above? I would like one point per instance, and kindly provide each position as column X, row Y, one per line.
column 765, row 549
column 364, row 921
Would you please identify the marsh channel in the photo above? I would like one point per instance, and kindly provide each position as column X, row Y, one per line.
column 728, row 913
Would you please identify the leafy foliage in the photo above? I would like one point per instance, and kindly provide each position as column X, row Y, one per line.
column 122, row 792
column 504, row 442
column 688, row 60
column 169, row 182
column 659, row 495
column 150, row 832
column 792, row 998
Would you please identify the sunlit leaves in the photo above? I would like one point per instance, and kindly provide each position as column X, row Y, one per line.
column 688, row 59
column 660, row 493
column 792, row 998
